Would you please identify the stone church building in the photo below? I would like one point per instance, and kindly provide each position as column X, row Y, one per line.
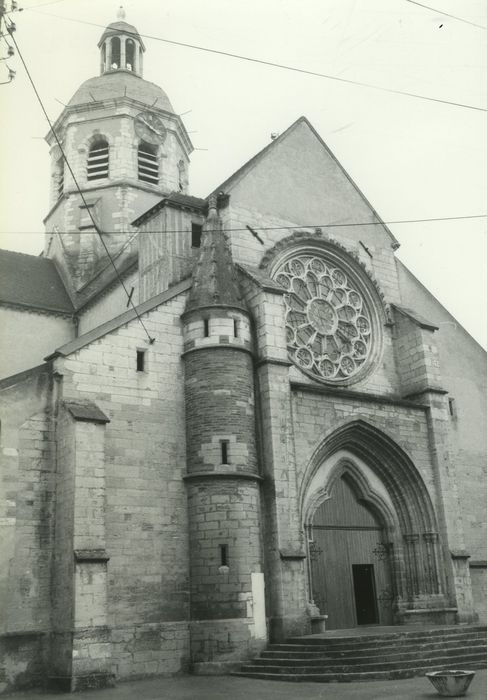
column 282, row 430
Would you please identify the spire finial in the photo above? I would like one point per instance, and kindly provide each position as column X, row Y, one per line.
column 121, row 13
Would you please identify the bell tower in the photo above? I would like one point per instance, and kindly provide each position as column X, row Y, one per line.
column 126, row 147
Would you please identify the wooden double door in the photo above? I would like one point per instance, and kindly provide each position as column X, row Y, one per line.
column 350, row 567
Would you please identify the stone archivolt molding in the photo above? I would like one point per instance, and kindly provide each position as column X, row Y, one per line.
column 334, row 308
column 362, row 489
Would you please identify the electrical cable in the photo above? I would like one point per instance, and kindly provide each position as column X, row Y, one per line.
column 95, row 225
column 446, row 14
column 282, row 66
column 285, row 228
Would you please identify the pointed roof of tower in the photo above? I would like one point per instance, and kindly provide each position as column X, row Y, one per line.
column 215, row 280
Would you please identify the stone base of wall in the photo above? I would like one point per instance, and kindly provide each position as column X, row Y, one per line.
column 80, row 660
column 429, row 616
column 151, row 649
column 217, row 644
column 22, row 660
column 478, row 575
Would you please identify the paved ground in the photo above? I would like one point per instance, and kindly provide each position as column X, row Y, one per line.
column 232, row 688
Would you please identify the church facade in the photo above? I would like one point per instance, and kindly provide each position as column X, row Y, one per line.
column 281, row 432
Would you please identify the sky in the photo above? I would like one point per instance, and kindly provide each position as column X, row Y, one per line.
column 412, row 158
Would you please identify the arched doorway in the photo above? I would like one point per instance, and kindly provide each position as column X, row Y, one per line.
column 359, row 481
column 350, row 567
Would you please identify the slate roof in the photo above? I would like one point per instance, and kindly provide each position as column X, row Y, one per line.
column 121, row 83
column 32, row 282
column 215, row 281
column 175, row 199
column 121, row 27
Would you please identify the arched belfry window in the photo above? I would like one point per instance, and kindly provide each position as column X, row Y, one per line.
column 130, row 54
column 148, row 163
column 116, row 53
column 97, row 167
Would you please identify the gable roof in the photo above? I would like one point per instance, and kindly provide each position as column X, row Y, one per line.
column 120, row 320
column 173, row 199
column 250, row 164
column 32, row 282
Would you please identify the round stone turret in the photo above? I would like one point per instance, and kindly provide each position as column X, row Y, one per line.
column 223, row 481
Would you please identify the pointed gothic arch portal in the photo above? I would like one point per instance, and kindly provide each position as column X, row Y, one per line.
column 349, row 559
column 373, row 551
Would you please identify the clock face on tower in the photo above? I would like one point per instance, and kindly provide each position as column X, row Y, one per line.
column 150, row 128
column 329, row 324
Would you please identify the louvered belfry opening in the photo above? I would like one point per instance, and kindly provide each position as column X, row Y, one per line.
column 148, row 163
column 98, row 160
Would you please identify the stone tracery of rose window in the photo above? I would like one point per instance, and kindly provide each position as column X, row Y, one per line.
column 328, row 323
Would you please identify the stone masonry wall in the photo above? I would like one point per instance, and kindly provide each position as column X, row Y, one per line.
column 220, row 406
column 317, row 415
column 146, row 522
column 26, row 534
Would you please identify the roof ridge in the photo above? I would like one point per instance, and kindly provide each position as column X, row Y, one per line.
column 27, row 255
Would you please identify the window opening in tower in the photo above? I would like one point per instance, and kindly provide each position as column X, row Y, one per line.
column 129, row 54
column 116, row 52
column 98, row 160
column 60, row 177
column 148, row 163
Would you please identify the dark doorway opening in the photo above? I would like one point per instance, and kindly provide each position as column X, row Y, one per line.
column 364, row 590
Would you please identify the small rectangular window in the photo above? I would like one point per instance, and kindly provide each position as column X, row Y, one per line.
column 452, row 408
column 235, row 328
column 140, row 360
column 206, row 327
column 224, row 451
column 196, row 230
column 223, row 554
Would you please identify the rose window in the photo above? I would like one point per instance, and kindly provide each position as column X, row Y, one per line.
column 328, row 323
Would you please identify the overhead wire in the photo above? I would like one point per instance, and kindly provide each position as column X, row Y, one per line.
column 390, row 222
column 447, row 14
column 274, row 64
column 95, row 225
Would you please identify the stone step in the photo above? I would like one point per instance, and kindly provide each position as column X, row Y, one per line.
column 350, row 676
column 311, row 666
column 284, row 652
column 316, row 660
column 298, row 651
column 382, row 639
column 375, row 643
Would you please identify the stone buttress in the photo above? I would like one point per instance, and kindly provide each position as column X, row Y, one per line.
column 223, row 482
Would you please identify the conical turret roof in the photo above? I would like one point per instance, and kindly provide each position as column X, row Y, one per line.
column 215, row 280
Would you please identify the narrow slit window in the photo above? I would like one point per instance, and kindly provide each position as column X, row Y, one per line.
column 98, row 160
column 181, row 175
column 196, row 230
column 223, row 554
column 60, row 177
column 224, row 447
column 140, row 360
column 452, row 408
column 235, row 328
column 206, row 327
column 148, row 163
